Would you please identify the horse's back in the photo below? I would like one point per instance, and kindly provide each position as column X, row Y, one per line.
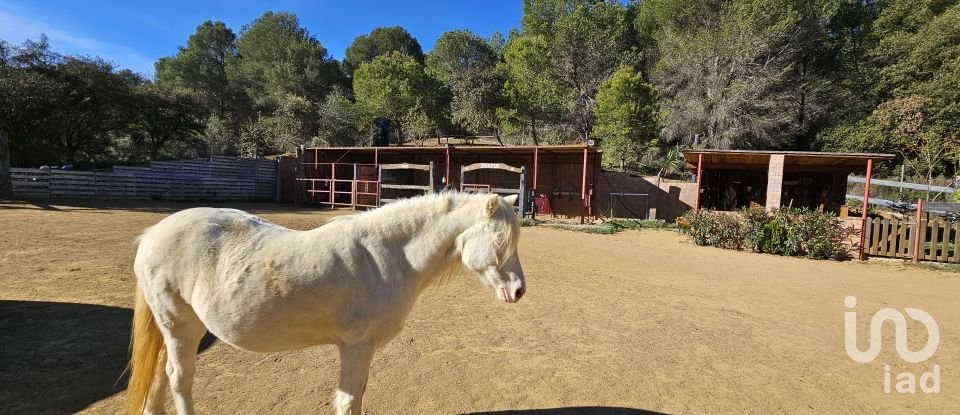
column 188, row 244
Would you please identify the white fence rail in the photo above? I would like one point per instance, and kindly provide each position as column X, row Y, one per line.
column 905, row 185
column 221, row 178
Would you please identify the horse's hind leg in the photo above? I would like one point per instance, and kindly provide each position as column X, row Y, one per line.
column 354, row 368
column 182, row 332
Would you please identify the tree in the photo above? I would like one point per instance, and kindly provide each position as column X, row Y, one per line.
column 278, row 57
column 393, row 85
column 28, row 94
column 467, row 65
column 540, row 17
column 89, row 106
column 419, row 124
column 341, row 123
column 905, row 99
column 531, row 90
column 380, row 41
column 167, row 115
column 293, row 124
column 587, row 45
column 201, row 65
column 626, row 118
column 922, row 146
column 726, row 76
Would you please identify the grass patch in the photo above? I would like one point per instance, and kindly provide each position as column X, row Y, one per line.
column 608, row 227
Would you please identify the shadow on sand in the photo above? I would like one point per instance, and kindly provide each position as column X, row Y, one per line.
column 58, row 358
column 577, row 410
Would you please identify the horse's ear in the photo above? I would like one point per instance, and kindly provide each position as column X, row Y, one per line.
column 511, row 200
column 493, row 203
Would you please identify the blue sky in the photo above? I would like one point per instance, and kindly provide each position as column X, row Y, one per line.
column 134, row 34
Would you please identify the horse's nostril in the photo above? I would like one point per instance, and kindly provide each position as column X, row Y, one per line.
column 520, row 292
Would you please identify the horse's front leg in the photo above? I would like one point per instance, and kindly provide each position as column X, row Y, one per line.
column 354, row 367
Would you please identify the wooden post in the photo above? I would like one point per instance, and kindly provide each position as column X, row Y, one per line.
column 919, row 233
column 696, row 203
column 866, row 206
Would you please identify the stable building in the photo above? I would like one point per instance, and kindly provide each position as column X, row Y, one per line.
column 733, row 179
column 554, row 181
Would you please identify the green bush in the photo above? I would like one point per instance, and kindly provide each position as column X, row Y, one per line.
column 791, row 232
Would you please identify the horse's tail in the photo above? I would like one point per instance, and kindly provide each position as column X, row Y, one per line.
column 147, row 353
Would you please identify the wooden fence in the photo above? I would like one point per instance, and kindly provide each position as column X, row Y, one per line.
column 895, row 238
column 221, row 178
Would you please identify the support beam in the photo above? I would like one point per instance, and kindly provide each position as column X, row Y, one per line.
column 536, row 168
column 866, row 206
column 919, row 233
column 696, row 203
column 536, row 181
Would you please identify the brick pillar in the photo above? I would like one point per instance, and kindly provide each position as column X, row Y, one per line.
column 774, row 181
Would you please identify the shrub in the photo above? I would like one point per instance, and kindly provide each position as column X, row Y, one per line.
column 754, row 227
column 792, row 232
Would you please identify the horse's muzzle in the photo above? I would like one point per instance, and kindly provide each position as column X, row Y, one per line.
column 511, row 295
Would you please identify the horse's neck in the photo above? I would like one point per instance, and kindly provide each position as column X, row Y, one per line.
column 430, row 245
column 421, row 236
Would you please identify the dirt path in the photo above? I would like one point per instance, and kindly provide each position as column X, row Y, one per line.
column 641, row 320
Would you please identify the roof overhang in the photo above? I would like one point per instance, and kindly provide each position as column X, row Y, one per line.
column 751, row 159
column 517, row 150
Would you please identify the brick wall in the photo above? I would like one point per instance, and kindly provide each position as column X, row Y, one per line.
column 774, row 181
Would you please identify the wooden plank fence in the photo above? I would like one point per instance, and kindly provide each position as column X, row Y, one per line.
column 221, row 178
column 894, row 238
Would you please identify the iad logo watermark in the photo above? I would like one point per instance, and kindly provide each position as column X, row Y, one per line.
column 929, row 382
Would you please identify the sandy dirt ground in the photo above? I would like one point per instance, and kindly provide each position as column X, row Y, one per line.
column 642, row 322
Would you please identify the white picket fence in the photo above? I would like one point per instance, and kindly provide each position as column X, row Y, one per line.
column 220, row 178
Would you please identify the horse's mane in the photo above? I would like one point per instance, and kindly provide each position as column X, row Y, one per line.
column 505, row 227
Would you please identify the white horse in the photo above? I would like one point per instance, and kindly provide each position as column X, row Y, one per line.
column 265, row 288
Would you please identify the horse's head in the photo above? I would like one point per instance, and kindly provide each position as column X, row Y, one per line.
column 489, row 248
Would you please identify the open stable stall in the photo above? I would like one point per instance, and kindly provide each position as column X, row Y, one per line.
column 521, row 188
column 401, row 180
column 733, row 179
column 557, row 181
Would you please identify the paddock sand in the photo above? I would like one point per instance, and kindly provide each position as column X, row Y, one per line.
column 634, row 323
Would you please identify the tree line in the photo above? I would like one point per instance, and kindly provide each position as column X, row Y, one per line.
column 644, row 79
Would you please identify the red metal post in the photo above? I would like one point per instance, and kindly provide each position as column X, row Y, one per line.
column 583, row 187
column 866, row 205
column 594, row 184
column 696, row 203
column 919, row 233
column 536, row 169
